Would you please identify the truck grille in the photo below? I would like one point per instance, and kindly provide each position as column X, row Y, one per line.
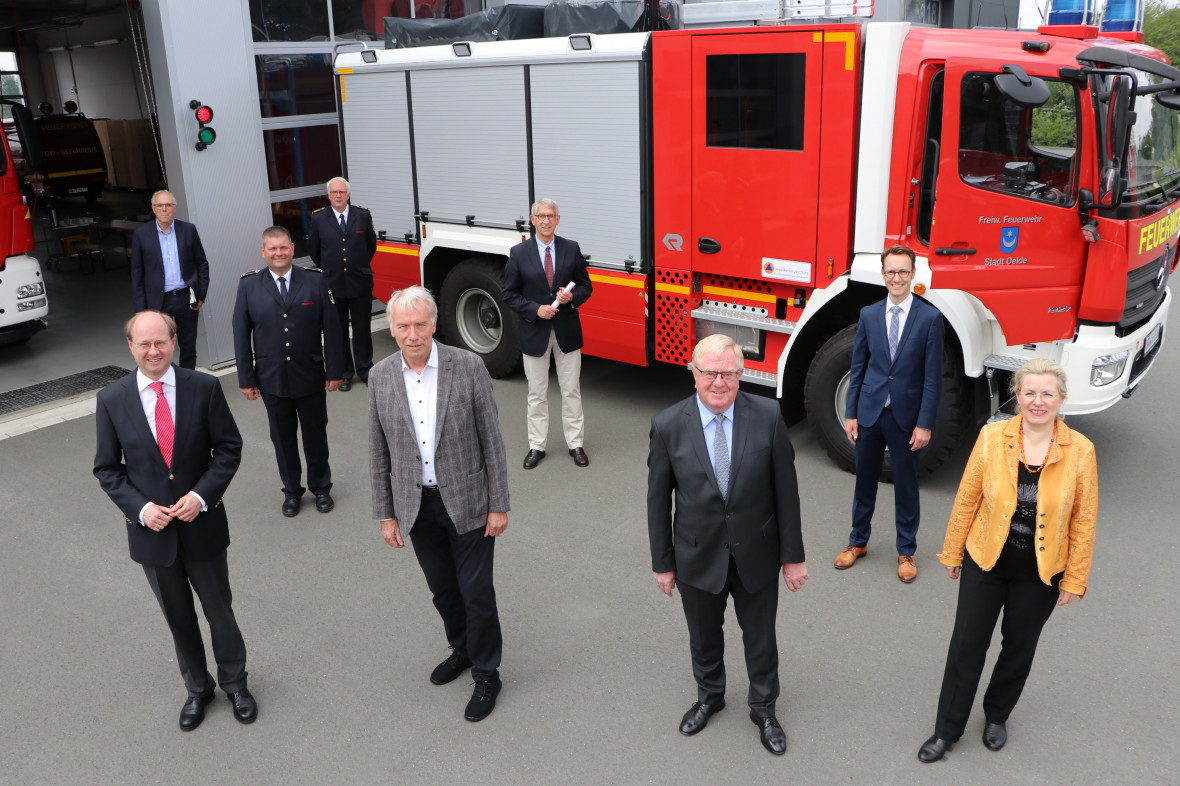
column 1145, row 291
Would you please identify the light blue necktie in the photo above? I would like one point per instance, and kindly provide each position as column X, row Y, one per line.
column 721, row 457
column 894, row 331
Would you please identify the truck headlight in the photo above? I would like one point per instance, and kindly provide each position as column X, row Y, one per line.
column 29, row 305
column 1107, row 368
column 30, row 290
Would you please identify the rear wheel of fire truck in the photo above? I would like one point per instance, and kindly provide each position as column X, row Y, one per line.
column 826, row 392
column 473, row 315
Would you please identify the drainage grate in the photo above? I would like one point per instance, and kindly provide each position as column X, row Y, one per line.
column 58, row 389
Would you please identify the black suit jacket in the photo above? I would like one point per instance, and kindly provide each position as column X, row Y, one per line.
column 912, row 380
column 759, row 523
column 283, row 348
column 147, row 264
column 346, row 258
column 525, row 288
column 206, row 452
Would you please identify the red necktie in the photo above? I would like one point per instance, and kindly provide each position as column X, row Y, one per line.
column 548, row 267
column 164, row 427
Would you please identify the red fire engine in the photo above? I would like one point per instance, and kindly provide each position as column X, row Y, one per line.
column 745, row 181
column 23, row 302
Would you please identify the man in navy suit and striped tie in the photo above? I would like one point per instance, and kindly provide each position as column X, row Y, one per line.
column 893, row 391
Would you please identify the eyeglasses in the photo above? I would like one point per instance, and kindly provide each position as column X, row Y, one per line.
column 165, row 205
column 1029, row 395
column 710, row 376
column 337, row 193
column 897, row 273
column 546, row 216
column 152, row 344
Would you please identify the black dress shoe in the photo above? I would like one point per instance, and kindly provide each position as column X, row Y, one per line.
column 193, row 711
column 449, row 669
column 580, row 457
column 774, row 739
column 345, row 385
column 291, row 506
column 994, row 735
column 698, row 716
column 483, row 699
column 323, row 502
column 533, row 458
column 933, row 749
column 245, row 707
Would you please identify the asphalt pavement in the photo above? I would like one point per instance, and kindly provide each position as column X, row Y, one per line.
column 342, row 636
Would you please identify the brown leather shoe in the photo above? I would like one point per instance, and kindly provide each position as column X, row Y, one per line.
column 849, row 556
column 907, row 571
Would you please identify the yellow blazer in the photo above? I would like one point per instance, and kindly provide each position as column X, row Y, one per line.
column 1067, row 504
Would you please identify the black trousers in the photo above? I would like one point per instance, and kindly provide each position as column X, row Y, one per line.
column 458, row 570
column 756, row 613
column 871, row 442
column 359, row 312
column 210, row 580
column 287, row 417
column 176, row 306
column 1014, row 586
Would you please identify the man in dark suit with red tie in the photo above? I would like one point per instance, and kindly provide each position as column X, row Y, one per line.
column 537, row 282
column 167, row 450
column 169, row 272
column 341, row 241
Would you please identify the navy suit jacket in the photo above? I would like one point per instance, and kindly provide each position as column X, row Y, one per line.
column 283, row 348
column 147, row 264
column 525, row 288
column 758, row 521
column 206, row 452
column 346, row 258
column 912, row 382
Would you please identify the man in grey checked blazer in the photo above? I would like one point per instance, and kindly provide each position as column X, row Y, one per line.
column 440, row 477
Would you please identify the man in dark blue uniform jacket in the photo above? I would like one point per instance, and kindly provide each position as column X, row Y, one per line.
column 342, row 242
column 893, row 392
column 287, row 342
column 167, row 450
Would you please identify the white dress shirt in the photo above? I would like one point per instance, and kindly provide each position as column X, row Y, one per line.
column 422, row 397
column 905, row 305
column 147, row 397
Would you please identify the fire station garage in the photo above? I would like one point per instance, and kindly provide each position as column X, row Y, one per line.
column 115, row 85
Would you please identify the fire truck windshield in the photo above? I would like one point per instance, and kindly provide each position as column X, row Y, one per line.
column 1153, row 155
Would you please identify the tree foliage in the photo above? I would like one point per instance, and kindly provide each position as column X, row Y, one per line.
column 1161, row 27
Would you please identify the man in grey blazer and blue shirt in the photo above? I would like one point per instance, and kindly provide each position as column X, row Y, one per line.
column 440, row 477
column 726, row 459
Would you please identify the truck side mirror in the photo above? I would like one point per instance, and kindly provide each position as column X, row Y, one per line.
column 1020, row 88
column 26, row 130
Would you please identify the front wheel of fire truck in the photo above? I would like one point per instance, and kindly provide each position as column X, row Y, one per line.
column 826, row 392
column 473, row 315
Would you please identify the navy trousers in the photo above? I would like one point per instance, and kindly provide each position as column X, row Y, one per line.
column 287, row 417
column 871, row 442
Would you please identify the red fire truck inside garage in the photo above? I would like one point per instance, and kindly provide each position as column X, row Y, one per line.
column 745, row 181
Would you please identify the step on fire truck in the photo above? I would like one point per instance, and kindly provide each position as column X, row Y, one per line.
column 23, row 302
column 746, row 180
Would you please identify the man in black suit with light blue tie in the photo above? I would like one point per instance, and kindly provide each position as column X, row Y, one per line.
column 167, row 450
column 893, row 391
column 169, row 272
column 725, row 459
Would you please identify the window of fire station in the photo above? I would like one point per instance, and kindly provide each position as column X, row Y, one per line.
column 1005, row 147
column 755, row 100
column 11, row 86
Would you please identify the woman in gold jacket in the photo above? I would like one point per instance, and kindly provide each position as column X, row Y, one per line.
column 1025, row 514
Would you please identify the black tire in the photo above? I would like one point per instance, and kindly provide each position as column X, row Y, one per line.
column 826, row 391
column 473, row 315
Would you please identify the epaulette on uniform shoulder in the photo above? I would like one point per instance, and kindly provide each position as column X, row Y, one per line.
column 318, row 209
column 313, row 269
column 251, row 272
column 362, row 207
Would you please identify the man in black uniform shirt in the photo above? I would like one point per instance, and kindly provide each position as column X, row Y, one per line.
column 342, row 242
column 285, row 330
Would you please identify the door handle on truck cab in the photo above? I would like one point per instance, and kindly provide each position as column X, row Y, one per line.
column 953, row 252
column 707, row 245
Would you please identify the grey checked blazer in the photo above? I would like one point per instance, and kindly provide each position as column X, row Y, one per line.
column 469, row 457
